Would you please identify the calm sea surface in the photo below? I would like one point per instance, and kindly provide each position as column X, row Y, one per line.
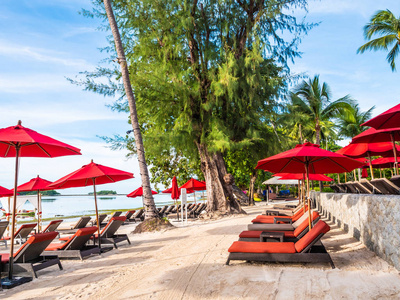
column 63, row 206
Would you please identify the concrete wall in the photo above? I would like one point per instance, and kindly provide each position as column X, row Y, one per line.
column 372, row 219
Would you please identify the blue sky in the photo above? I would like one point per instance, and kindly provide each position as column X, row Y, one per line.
column 44, row 41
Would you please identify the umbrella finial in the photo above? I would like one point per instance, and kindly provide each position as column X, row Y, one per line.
column 19, row 122
column 91, row 160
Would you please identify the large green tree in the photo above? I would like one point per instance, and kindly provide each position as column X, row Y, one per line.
column 206, row 75
column 385, row 25
column 312, row 106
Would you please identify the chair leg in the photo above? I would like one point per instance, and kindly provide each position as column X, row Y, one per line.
column 128, row 241
column 227, row 262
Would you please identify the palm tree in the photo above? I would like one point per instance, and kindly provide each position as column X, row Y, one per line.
column 312, row 100
column 148, row 200
column 383, row 23
column 350, row 122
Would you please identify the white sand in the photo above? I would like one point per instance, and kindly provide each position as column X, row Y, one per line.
column 189, row 263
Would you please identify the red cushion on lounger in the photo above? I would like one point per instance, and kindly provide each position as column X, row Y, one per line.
column 320, row 227
column 65, row 238
column 305, row 224
column 5, row 257
column 86, row 231
column 257, row 247
column 256, row 234
column 119, row 218
column 55, row 246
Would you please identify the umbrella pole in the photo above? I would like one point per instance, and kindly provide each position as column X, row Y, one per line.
column 345, row 177
column 355, row 176
column 338, row 178
column 370, row 166
column 11, row 257
column 308, row 196
column 380, row 173
column 299, row 191
column 97, row 212
column 303, row 195
column 396, row 166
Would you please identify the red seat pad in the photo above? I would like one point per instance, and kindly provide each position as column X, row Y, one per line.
column 55, row 246
column 5, row 257
column 305, row 224
column 267, row 221
column 257, row 247
column 65, row 238
column 320, row 227
column 256, row 234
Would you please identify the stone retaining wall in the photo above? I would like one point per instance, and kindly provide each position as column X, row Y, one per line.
column 372, row 219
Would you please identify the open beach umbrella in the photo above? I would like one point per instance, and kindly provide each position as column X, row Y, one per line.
column 360, row 150
column 194, row 185
column 36, row 184
column 139, row 192
column 18, row 141
column 5, row 192
column 91, row 174
column 386, row 120
column 372, row 135
column 308, row 159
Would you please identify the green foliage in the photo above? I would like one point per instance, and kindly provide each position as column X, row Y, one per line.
column 350, row 121
column 383, row 23
column 44, row 193
column 104, row 192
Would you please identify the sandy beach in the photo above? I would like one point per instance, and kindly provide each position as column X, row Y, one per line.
column 189, row 263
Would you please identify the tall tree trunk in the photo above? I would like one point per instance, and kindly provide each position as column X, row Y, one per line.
column 219, row 183
column 148, row 200
column 253, row 179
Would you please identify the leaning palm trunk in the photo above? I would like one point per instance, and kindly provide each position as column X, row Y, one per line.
column 148, row 201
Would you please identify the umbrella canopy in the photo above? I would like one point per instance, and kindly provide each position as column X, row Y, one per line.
column 384, row 162
column 175, row 192
column 91, row 174
column 169, row 191
column 195, row 185
column 18, row 141
column 319, row 161
column 139, row 192
column 5, row 192
column 308, row 159
column 36, row 184
column 378, row 136
column 360, row 150
column 298, row 176
column 276, row 180
column 387, row 119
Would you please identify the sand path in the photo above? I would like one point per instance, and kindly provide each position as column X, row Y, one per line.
column 189, row 263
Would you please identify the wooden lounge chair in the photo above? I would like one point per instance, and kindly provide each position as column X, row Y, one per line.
column 101, row 219
column 108, row 236
column 81, row 223
column 386, row 186
column 22, row 233
column 28, row 258
column 139, row 216
column 283, row 212
column 364, row 182
column 278, row 227
column 128, row 215
column 169, row 210
column 197, row 210
column 75, row 245
column 163, row 210
column 275, row 219
column 3, row 228
column 343, row 187
column 361, row 188
column 336, row 188
column 53, row 225
column 351, row 188
column 396, row 180
column 308, row 249
column 288, row 235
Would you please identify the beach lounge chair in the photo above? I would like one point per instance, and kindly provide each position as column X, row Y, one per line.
column 169, row 210
column 308, row 249
column 81, row 223
column 351, row 188
column 75, row 246
column 289, row 235
column 283, row 211
column 22, row 233
column 28, row 258
column 336, row 188
column 163, row 210
column 139, row 216
column 3, row 228
column 279, row 219
column 396, row 180
column 101, row 219
column 364, row 182
column 196, row 210
column 361, row 188
column 343, row 187
column 53, row 225
column 108, row 236
column 128, row 215
column 386, row 186
column 278, row 227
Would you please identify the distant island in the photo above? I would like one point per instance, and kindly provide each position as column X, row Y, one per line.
column 104, row 193
column 44, row 193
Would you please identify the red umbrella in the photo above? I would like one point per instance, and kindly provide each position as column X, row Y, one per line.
column 91, row 174
column 360, row 150
column 298, row 176
column 139, row 192
column 308, row 159
column 5, row 192
column 364, row 173
column 18, row 141
column 384, row 162
column 378, row 136
column 169, row 191
column 175, row 192
column 194, row 185
column 387, row 119
column 36, row 184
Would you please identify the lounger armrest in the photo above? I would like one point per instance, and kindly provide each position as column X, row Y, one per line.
column 284, row 220
column 271, row 213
